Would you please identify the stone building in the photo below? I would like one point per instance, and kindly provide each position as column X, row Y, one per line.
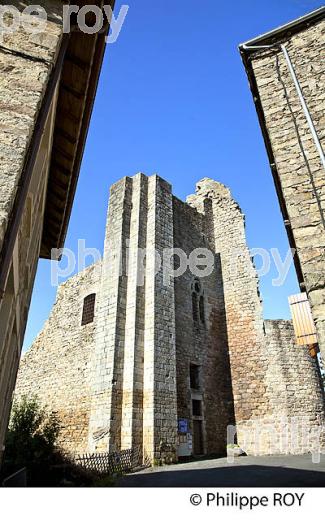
column 286, row 71
column 148, row 349
column 47, row 86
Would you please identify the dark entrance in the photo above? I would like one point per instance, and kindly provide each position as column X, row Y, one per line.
column 197, row 437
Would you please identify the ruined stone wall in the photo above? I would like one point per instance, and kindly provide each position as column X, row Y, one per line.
column 295, row 423
column 124, row 380
column 295, row 395
column 266, row 388
column 292, row 373
column 203, row 343
column 56, row 368
column 297, row 160
column 243, row 308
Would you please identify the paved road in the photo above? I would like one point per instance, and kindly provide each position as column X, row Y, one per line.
column 283, row 471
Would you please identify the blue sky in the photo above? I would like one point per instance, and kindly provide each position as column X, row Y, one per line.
column 173, row 99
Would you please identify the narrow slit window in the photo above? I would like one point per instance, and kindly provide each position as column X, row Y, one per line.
column 196, row 407
column 195, row 377
column 88, row 309
column 195, row 309
column 202, row 310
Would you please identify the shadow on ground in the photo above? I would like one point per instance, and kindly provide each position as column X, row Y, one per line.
column 241, row 475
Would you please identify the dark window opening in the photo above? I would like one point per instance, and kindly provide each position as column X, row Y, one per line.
column 195, row 307
column 198, row 306
column 198, row 448
column 202, row 312
column 88, row 309
column 196, row 407
column 195, row 377
column 197, row 287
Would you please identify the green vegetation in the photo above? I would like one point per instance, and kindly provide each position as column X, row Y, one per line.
column 31, row 443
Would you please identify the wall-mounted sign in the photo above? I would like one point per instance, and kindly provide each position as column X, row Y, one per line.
column 182, row 425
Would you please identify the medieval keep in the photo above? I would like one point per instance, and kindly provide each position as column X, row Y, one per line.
column 129, row 358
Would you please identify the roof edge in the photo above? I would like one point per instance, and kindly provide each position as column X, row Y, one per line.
column 294, row 26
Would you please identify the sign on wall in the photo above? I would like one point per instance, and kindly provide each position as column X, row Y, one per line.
column 183, row 426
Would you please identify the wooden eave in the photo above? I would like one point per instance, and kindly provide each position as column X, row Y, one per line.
column 77, row 90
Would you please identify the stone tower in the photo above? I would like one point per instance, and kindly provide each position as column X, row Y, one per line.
column 174, row 340
column 134, row 386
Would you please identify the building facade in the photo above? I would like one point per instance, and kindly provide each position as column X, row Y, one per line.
column 47, row 86
column 144, row 349
column 286, row 71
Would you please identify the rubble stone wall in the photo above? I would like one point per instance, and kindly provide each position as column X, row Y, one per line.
column 57, row 367
column 201, row 342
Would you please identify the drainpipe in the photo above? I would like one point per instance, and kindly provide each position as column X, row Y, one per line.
column 299, row 92
column 304, row 106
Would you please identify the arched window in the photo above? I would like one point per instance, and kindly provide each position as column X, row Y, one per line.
column 88, row 310
column 198, row 302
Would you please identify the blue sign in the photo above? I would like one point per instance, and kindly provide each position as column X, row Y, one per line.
column 182, row 425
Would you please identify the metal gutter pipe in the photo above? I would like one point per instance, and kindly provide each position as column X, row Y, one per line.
column 304, row 105
column 299, row 92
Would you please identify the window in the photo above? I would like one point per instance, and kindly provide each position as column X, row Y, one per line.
column 195, row 307
column 195, row 377
column 88, row 309
column 196, row 407
column 202, row 312
column 198, row 302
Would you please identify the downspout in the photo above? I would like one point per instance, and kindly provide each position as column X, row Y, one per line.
column 304, row 105
column 299, row 92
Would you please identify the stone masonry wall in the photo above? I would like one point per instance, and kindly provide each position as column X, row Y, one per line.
column 295, row 395
column 107, row 369
column 14, row 304
column 134, row 370
column 159, row 385
column 297, row 160
column 255, row 384
column 124, row 380
column 201, row 343
column 57, row 367
column 243, row 307
column 26, row 62
column 296, row 420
